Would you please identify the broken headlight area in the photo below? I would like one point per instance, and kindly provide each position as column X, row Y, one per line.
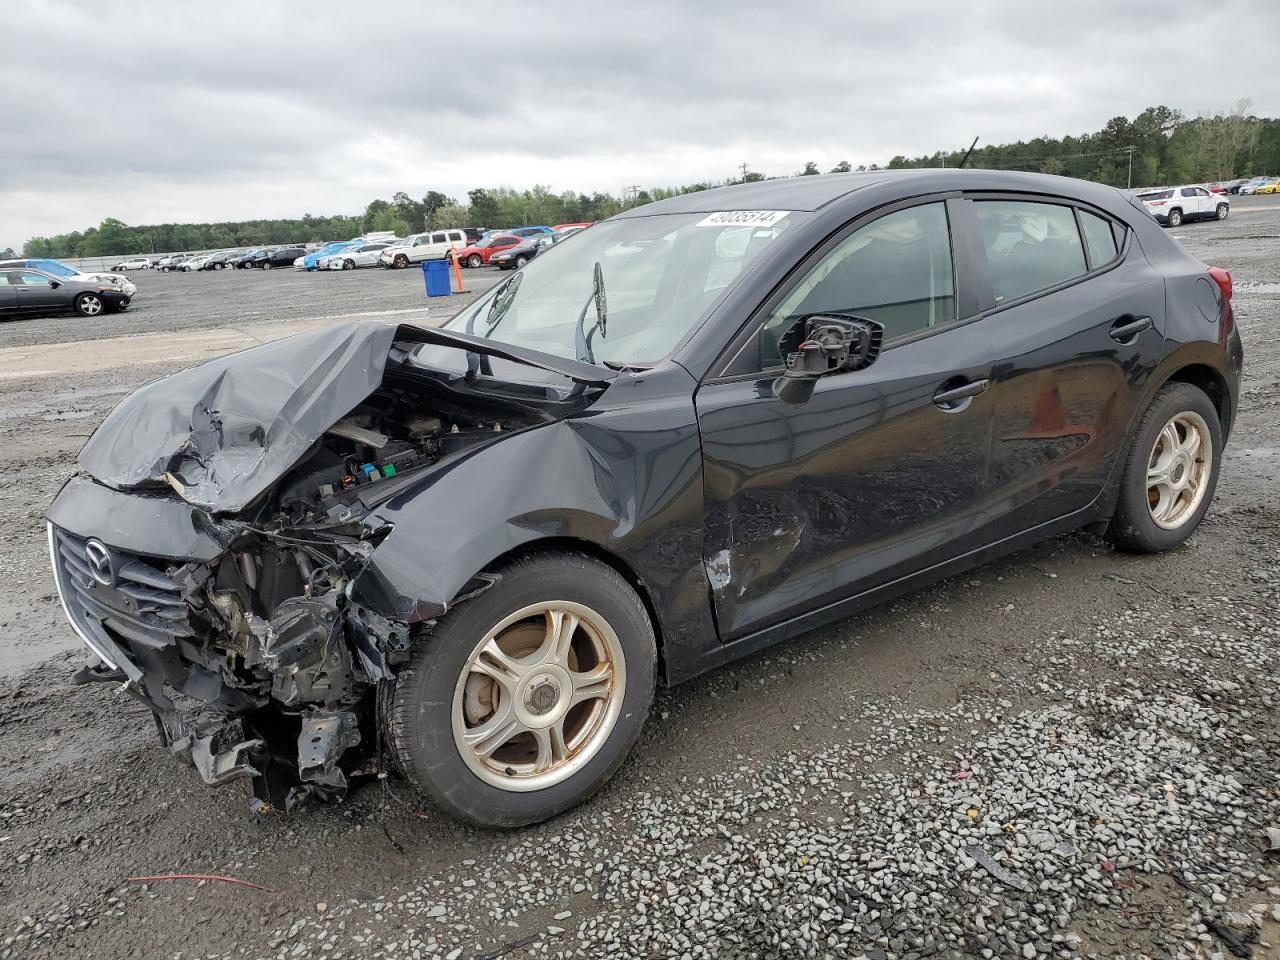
column 264, row 663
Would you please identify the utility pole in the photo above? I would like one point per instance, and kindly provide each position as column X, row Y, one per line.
column 743, row 168
column 1130, row 180
column 632, row 191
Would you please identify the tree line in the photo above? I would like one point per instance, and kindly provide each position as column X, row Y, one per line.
column 1159, row 146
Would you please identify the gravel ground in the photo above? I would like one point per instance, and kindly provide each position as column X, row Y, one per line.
column 1068, row 753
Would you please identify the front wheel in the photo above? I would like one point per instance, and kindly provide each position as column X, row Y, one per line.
column 475, row 260
column 521, row 261
column 1223, row 211
column 1170, row 472
column 525, row 700
column 267, row 265
column 89, row 305
column 165, row 269
column 348, row 265
column 400, row 262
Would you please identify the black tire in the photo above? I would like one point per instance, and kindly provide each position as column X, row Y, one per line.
column 90, row 305
column 400, row 262
column 521, row 261
column 267, row 265
column 475, row 260
column 165, row 269
column 348, row 265
column 1175, row 218
column 1132, row 526
column 1223, row 211
column 419, row 724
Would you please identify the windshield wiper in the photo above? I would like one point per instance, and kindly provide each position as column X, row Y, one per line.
column 581, row 337
column 503, row 297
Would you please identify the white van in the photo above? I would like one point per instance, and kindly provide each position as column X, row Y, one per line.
column 423, row 246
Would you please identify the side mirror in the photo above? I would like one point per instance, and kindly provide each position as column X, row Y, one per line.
column 820, row 345
column 54, row 284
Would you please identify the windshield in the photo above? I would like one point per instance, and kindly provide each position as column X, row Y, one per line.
column 661, row 275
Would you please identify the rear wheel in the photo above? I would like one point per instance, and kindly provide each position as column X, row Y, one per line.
column 1175, row 218
column 475, row 260
column 1223, row 211
column 524, row 701
column 89, row 305
column 1170, row 472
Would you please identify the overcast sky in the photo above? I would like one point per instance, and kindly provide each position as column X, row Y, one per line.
column 154, row 112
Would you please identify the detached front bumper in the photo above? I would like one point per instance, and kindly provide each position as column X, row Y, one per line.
column 284, row 698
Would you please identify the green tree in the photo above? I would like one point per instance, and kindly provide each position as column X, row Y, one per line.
column 841, row 167
column 485, row 211
column 810, row 169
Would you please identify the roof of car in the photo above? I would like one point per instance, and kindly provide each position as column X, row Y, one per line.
column 815, row 192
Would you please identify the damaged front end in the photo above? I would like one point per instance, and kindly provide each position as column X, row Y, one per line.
column 230, row 582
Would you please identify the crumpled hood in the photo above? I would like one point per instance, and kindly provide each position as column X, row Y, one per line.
column 227, row 429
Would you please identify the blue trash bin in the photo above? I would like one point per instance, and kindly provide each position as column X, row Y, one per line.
column 436, row 275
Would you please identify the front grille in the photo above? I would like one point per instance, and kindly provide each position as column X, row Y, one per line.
column 131, row 596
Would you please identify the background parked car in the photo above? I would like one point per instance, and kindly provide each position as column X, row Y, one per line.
column 1272, row 186
column 1251, row 186
column 513, row 258
column 173, row 262
column 308, row 260
column 29, row 291
column 362, row 255
column 478, row 254
column 527, row 231
column 194, row 263
column 1175, row 204
column 133, row 263
column 423, row 246
column 283, row 257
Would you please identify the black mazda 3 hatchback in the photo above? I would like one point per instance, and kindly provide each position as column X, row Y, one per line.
column 704, row 426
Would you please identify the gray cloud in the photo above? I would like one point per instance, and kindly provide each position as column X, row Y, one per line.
column 238, row 109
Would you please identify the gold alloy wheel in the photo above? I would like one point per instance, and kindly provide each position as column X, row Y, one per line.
column 1178, row 470
column 539, row 696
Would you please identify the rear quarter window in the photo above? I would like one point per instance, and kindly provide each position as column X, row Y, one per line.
column 1099, row 237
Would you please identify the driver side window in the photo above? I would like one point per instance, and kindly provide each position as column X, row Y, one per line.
column 895, row 270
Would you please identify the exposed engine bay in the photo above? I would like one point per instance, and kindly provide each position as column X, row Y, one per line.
column 270, row 636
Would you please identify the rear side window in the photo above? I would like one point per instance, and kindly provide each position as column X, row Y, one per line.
column 1099, row 238
column 1030, row 246
column 1157, row 195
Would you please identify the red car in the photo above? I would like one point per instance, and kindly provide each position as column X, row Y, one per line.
column 479, row 252
column 1215, row 188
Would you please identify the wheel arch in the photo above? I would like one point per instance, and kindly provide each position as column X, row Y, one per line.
column 1212, row 382
column 569, row 544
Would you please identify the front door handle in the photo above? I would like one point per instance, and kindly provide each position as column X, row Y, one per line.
column 953, row 398
column 1126, row 328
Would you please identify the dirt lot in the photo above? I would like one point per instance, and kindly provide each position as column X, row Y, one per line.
column 1070, row 752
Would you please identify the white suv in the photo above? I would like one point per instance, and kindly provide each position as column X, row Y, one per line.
column 136, row 263
column 1176, row 204
column 423, row 246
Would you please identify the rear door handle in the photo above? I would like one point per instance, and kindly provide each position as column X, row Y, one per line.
column 1125, row 328
column 950, row 399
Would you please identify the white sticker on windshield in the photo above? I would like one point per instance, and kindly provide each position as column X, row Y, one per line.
column 742, row 218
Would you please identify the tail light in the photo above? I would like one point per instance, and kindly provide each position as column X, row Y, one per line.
column 1222, row 279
